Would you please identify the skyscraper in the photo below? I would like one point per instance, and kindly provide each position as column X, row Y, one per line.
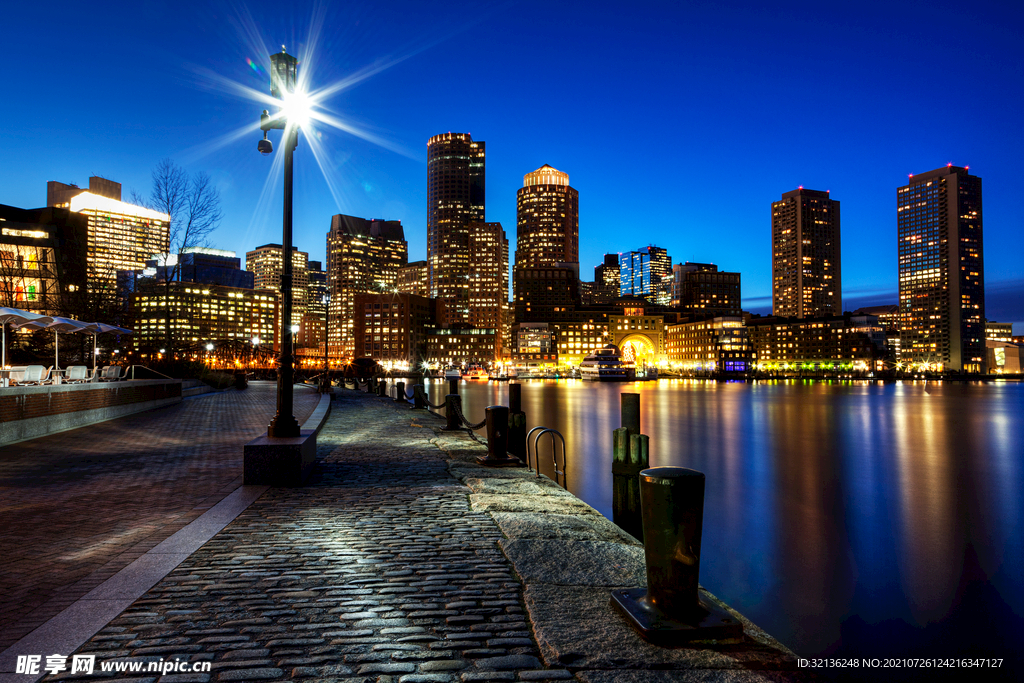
column 942, row 274
column 362, row 256
column 806, row 276
column 547, row 219
column 606, row 280
column 455, row 198
column 646, row 272
column 267, row 263
column 488, row 279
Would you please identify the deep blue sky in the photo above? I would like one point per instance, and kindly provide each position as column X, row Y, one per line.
column 679, row 125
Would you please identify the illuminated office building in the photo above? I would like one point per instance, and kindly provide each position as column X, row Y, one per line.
column 414, row 279
column 646, row 273
column 363, row 256
column 806, row 276
column 704, row 290
column 488, row 280
column 267, row 263
column 942, row 273
column 42, row 259
column 547, row 219
column 606, row 280
column 313, row 330
column 455, row 199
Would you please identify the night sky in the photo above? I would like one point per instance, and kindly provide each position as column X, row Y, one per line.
column 678, row 125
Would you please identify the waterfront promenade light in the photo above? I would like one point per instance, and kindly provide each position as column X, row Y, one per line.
column 293, row 112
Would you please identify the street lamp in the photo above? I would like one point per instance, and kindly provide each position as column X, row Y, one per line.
column 283, row 79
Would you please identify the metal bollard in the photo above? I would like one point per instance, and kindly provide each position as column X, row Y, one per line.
column 516, row 422
column 496, row 418
column 382, row 388
column 419, row 391
column 400, row 393
column 451, row 402
column 669, row 610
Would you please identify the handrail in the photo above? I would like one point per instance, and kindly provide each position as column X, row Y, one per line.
column 554, row 454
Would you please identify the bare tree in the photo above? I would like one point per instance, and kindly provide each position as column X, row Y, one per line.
column 193, row 203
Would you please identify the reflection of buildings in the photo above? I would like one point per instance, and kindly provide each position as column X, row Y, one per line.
column 393, row 328
column 825, row 341
column 362, row 256
column 547, row 219
column 942, row 275
column 455, row 198
column 711, row 345
column 42, row 259
column 701, row 289
column 267, row 264
column 646, row 272
column 806, row 277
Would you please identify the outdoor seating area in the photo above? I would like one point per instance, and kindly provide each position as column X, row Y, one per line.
column 39, row 375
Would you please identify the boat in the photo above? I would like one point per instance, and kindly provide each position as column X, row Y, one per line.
column 475, row 372
column 453, row 373
column 605, row 365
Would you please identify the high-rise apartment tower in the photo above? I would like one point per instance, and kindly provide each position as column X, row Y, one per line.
column 942, row 273
column 455, row 198
column 488, row 280
column 266, row 262
column 547, row 219
column 806, row 276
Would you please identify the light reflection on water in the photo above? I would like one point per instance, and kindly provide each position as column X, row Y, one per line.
column 860, row 519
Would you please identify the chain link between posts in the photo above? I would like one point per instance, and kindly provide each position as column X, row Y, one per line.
column 417, row 389
column 462, row 418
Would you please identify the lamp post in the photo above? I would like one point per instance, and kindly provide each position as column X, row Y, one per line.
column 283, row 78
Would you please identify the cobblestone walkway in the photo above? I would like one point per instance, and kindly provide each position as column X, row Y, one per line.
column 78, row 506
column 377, row 572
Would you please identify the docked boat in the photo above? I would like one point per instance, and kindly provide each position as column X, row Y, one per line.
column 453, row 373
column 475, row 372
column 606, row 365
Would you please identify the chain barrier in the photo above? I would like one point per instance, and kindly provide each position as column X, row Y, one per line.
column 423, row 396
column 462, row 418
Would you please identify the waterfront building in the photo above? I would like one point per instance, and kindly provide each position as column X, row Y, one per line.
column 455, row 199
column 855, row 342
column 362, row 256
column 460, row 346
column 488, row 279
column 197, row 314
column 544, row 293
column 647, row 273
column 941, row 270
column 806, row 273
column 639, row 333
column 392, row 328
column 713, row 345
column 703, row 290
column 576, row 339
column 889, row 318
column 42, row 260
column 547, row 219
column 1004, row 357
column 413, row 278
column 998, row 331
column 606, row 280
column 534, row 345
column 266, row 262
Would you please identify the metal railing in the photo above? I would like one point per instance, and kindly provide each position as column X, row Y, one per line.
column 533, row 455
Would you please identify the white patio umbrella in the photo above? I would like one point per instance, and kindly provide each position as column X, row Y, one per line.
column 58, row 325
column 100, row 328
column 16, row 317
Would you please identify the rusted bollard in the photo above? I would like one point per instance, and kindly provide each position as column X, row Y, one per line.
column 670, row 610
column 452, row 404
column 400, row 393
column 418, row 392
column 516, row 422
column 496, row 418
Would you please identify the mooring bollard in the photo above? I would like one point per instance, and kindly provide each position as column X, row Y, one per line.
column 400, row 393
column 453, row 386
column 382, row 388
column 452, row 404
column 670, row 610
column 496, row 419
column 418, row 392
column 516, row 422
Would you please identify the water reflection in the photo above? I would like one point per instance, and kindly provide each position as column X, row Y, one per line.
column 845, row 518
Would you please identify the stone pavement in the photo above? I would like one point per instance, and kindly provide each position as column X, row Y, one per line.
column 78, row 506
column 386, row 569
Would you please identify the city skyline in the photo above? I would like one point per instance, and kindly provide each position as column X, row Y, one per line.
column 699, row 114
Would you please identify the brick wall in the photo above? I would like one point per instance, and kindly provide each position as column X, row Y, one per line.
column 23, row 403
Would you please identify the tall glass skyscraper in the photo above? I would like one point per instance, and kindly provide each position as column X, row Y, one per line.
column 455, row 198
column 942, row 273
column 646, row 272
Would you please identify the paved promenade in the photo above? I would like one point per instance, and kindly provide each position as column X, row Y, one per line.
column 78, row 506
